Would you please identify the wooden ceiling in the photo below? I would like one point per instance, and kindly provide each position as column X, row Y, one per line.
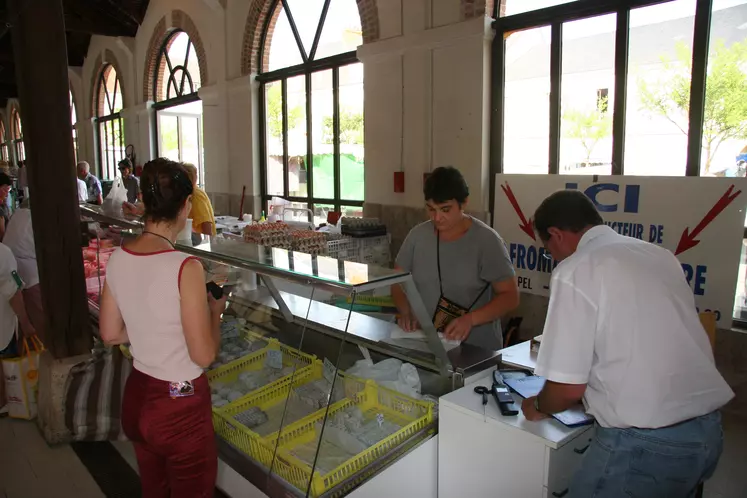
column 83, row 18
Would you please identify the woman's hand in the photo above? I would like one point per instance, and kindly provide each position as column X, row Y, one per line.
column 407, row 322
column 459, row 328
column 217, row 305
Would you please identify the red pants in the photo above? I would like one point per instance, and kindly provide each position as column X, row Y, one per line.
column 174, row 439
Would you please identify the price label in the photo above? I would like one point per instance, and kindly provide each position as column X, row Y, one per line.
column 274, row 359
column 329, row 371
column 380, row 419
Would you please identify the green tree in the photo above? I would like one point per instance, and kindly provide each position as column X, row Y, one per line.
column 351, row 128
column 588, row 126
column 725, row 110
column 274, row 114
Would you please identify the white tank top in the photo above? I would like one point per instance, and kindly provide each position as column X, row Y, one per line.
column 145, row 287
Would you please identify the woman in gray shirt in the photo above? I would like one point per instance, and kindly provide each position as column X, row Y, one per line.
column 460, row 266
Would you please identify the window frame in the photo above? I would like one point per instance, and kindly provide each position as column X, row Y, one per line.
column 16, row 135
column 555, row 17
column 111, row 118
column 4, row 150
column 182, row 98
column 307, row 68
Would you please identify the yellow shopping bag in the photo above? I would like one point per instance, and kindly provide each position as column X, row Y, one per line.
column 22, row 379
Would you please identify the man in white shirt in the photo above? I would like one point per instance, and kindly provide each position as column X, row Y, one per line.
column 12, row 312
column 622, row 334
column 82, row 190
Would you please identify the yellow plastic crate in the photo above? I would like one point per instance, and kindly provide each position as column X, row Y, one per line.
column 373, row 398
column 248, row 335
column 252, row 443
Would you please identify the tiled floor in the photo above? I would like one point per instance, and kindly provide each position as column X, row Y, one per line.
column 29, row 468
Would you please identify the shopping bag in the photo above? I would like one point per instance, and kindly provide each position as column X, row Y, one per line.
column 22, row 379
column 93, row 396
column 115, row 198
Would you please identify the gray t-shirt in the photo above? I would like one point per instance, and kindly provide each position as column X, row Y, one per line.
column 468, row 264
column 132, row 184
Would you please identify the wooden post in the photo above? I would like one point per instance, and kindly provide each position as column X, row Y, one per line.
column 40, row 49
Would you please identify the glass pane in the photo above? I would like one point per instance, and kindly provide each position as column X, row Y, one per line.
column 73, row 116
column 724, row 150
column 320, row 213
column 740, row 297
column 587, row 89
column 114, row 88
column 282, row 44
column 342, row 29
column 658, row 100
column 351, row 132
column 352, row 211
column 322, row 136
column 181, row 55
column 297, row 147
column 527, row 102
column 168, row 132
column 528, row 5
column 306, row 15
column 274, row 127
column 190, row 146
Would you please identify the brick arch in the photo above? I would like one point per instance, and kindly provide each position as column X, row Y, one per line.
column 260, row 10
column 98, row 100
column 180, row 20
column 479, row 8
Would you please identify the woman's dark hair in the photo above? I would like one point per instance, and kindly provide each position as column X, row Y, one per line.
column 5, row 179
column 444, row 184
column 568, row 210
column 166, row 187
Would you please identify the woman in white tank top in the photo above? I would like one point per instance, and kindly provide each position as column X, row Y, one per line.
column 155, row 299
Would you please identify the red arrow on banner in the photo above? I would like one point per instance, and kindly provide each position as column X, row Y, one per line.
column 687, row 240
column 526, row 225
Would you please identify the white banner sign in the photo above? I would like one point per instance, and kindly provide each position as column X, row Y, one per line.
column 701, row 220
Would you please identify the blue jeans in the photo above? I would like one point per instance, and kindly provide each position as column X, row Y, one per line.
column 650, row 463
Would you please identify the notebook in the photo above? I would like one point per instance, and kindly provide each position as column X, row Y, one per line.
column 531, row 386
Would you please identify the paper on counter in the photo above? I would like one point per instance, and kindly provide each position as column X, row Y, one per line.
column 415, row 339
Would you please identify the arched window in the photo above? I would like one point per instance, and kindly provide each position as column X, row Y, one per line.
column 311, row 100
column 73, row 122
column 4, row 143
column 16, row 133
column 110, row 132
column 178, row 107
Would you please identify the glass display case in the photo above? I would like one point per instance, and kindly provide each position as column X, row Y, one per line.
column 312, row 394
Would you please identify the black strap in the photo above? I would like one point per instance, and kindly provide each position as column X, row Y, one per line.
column 438, row 264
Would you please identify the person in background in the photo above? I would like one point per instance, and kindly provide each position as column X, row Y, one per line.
column 202, row 215
column 155, row 298
column 5, row 186
column 92, row 183
column 82, row 190
column 12, row 313
column 460, row 267
column 19, row 237
column 23, row 181
column 622, row 334
column 130, row 181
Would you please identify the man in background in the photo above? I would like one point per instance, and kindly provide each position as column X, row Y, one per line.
column 6, row 184
column 130, row 181
column 623, row 334
column 93, row 185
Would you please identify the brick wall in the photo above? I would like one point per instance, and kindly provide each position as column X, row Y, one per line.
column 180, row 21
column 258, row 17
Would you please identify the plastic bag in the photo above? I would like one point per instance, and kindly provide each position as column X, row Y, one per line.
column 115, row 198
column 22, row 379
column 390, row 373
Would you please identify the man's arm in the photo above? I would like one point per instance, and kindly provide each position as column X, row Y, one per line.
column 555, row 397
column 19, row 308
column 505, row 299
column 206, row 228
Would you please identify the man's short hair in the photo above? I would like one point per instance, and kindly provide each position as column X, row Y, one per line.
column 84, row 165
column 5, row 180
column 444, row 184
column 568, row 210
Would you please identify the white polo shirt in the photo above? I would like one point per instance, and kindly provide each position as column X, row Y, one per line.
column 8, row 288
column 622, row 320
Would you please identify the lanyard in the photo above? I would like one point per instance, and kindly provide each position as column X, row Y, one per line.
column 440, row 284
column 158, row 235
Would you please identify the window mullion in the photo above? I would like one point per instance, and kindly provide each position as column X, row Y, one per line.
column 556, row 71
column 336, row 130
column 284, row 98
column 622, row 44
column 319, row 29
column 292, row 23
column 701, row 35
column 309, row 144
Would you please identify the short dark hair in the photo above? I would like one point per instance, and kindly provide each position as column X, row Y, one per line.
column 5, row 179
column 166, row 187
column 568, row 210
column 445, row 183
